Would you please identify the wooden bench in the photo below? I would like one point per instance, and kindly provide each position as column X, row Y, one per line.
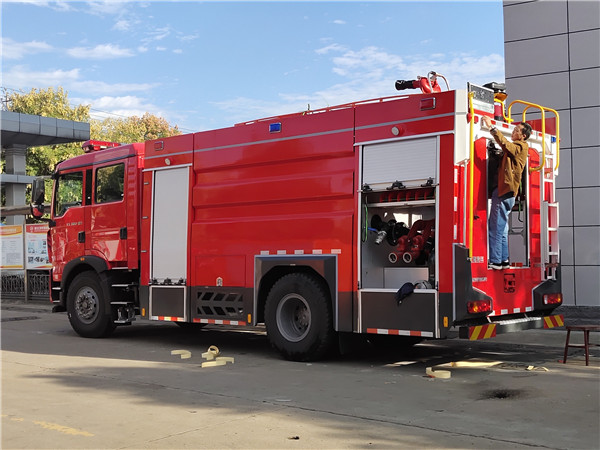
column 586, row 340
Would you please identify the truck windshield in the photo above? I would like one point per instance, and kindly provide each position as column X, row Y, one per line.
column 68, row 192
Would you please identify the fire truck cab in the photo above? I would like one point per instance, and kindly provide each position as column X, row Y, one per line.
column 367, row 218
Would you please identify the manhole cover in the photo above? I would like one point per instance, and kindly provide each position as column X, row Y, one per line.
column 502, row 394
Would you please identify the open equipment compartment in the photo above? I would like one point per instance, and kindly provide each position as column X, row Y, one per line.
column 398, row 237
column 390, row 255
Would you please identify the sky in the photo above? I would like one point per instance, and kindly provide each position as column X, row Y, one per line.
column 211, row 64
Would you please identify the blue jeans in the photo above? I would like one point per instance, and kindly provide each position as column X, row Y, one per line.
column 498, row 227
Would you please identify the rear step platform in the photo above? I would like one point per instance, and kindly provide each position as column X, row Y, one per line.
column 491, row 329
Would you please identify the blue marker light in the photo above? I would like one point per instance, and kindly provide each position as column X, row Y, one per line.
column 275, row 127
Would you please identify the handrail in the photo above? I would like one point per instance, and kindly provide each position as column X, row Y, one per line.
column 542, row 110
column 556, row 115
column 471, row 170
column 540, row 167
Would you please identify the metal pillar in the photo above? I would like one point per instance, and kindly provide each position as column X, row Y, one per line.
column 15, row 192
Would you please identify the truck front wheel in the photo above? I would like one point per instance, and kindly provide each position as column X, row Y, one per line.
column 298, row 317
column 87, row 307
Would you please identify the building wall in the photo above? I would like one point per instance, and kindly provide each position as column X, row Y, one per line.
column 552, row 58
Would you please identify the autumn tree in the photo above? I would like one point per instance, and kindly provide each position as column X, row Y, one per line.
column 132, row 129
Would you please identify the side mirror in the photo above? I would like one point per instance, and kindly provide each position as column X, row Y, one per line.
column 37, row 211
column 38, row 191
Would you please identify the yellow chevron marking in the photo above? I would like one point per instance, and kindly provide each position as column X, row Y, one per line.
column 550, row 323
column 490, row 331
column 475, row 333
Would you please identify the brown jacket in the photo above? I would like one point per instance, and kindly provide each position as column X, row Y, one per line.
column 512, row 164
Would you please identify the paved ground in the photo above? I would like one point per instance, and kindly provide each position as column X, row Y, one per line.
column 128, row 391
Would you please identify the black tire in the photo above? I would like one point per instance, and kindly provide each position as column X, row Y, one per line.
column 88, row 308
column 298, row 317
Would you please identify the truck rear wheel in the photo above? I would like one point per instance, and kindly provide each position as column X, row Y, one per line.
column 298, row 317
column 88, row 308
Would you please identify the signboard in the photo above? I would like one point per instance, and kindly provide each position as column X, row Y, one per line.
column 27, row 250
column 36, row 246
column 483, row 98
column 11, row 247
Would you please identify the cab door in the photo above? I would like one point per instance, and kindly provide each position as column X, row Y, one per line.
column 67, row 237
column 107, row 220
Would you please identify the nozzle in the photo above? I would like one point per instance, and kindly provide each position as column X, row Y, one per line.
column 380, row 237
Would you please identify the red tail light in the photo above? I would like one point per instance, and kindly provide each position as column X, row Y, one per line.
column 479, row 306
column 552, row 299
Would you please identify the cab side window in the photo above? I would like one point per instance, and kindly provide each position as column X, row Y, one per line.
column 109, row 183
column 69, row 192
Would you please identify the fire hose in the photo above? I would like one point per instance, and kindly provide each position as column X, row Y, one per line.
column 416, row 245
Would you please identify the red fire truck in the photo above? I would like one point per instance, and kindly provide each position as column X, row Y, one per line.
column 367, row 218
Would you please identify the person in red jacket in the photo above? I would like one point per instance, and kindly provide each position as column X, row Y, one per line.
column 512, row 163
column 420, row 83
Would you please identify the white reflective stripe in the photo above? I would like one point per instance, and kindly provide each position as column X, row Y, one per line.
column 316, row 251
column 402, row 332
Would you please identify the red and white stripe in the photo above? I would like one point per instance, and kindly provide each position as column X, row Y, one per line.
column 513, row 311
column 168, row 318
column 220, row 322
column 315, row 251
column 400, row 332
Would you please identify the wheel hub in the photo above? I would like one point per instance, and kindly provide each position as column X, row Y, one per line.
column 293, row 317
column 86, row 305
